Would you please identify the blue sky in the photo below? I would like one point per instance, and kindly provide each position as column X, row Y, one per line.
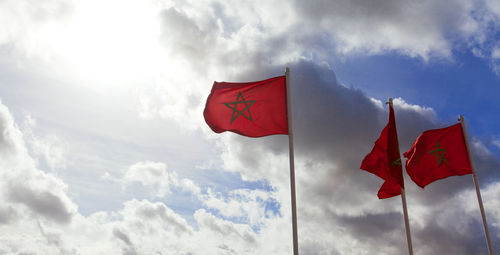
column 104, row 149
column 465, row 85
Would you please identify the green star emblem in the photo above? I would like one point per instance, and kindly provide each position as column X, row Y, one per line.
column 236, row 113
column 396, row 162
column 439, row 153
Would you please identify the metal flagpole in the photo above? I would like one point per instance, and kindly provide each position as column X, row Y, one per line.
column 478, row 192
column 292, row 163
column 407, row 222
column 405, row 209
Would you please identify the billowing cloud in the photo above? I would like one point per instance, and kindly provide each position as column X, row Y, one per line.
column 413, row 29
column 214, row 40
column 150, row 174
column 37, row 216
column 23, row 184
column 155, row 177
column 51, row 149
column 334, row 127
column 332, row 134
column 213, row 33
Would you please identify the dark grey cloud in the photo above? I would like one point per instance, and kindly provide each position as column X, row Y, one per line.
column 382, row 232
column 129, row 248
column 321, row 29
column 373, row 226
column 185, row 39
column 334, row 128
column 439, row 238
column 7, row 214
column 41, row 202
column 335, row 125
column 122, row 236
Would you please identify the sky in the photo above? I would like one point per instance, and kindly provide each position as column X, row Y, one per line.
column 104, row 149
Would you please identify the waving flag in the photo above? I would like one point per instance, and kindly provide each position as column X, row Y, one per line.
column 438, row 154
column 253, row 109
column 384, row 160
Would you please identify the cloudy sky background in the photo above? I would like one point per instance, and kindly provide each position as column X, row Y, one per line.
column 104, row 150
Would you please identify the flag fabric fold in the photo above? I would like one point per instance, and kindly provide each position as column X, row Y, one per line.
column 384, row 160
column 252, row 109
column 438, row 154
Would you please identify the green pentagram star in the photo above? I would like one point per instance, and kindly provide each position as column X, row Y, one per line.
column 397, row 162
column 439, row 153
column 236, row 113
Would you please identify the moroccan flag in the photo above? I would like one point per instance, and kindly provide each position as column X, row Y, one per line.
column 251, row 109
column 437, row 154
column 384, row 160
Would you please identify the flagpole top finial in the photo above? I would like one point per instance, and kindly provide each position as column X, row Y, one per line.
column 390, row 101
column 461, row 118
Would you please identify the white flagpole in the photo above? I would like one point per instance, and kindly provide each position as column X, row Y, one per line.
column 478, row 192
column 405, row 209
column 292, row 163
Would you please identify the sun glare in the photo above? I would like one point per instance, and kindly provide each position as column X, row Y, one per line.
column 112, row 40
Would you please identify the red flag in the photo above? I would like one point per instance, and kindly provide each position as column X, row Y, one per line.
column 251, row 109
column 438, row 154
column 384, row 160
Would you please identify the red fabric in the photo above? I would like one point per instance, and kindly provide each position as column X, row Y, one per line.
column 438, row 154
column 252, row 109
column 384, row 160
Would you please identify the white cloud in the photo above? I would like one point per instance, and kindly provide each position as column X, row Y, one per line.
column 494, row 6
column 490, row 196
column 156, row 177
column 189, row 186
column 333, row 194
column 377, row 103
column 37, row 216
column 247, row 205
column 31, row 25
column 479, row 147
column 153, row 212
column 428, row 112
column 153, row 175
column 335, row 126
column 49, row 148
column 495, row 54
column 496, row 143
column 202, row 35
column 226, row 229
column 182, row 44
column 495, row 59
column 40, row 193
